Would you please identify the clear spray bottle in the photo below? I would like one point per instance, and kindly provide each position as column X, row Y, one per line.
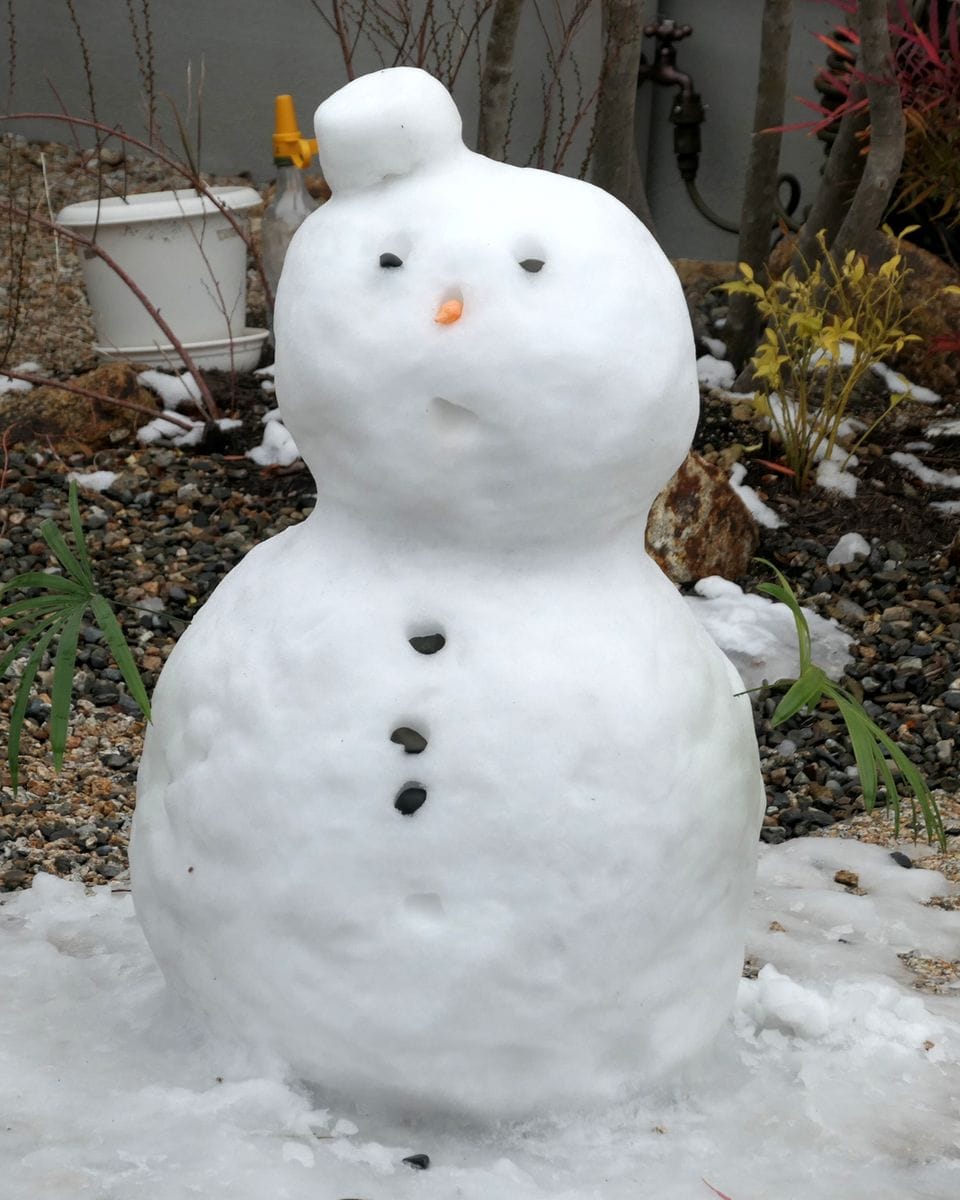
column 291, row 203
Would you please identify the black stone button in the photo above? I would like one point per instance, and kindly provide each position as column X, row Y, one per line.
column 419, row 1161
column 428, row 644
column 410, row 799
column 411, row 741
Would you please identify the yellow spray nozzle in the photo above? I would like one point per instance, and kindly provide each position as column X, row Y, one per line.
column 287, row 142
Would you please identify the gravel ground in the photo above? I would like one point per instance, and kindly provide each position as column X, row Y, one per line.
column 175, row 521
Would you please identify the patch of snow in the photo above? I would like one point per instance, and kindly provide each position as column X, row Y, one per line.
column 162, row 429
column 717, row 348
column 830, row 1046
column 918, row 446
column 761, row 512
column 266, row 375
column 173, row 390
column 19, row 385
column 848, row 427
column 228, row 423
column 849, row 547
column 758, row 635
column 943, row 429
column 899, row 383
column 714, row 373
column 948, row 479
column 949, row 507
column 93, row 481
column 823, row 358
column 832, row 476
column 278, row 447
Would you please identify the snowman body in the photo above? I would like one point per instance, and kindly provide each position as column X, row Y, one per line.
column 448, row 801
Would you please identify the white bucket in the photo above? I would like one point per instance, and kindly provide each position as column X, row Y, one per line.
column 180, row 250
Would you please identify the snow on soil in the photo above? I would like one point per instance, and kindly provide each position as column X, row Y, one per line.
column 944, row 429
column 832, row 477
column 849, row 547
column 900, row 384
column 758, row 635
column 761, row 512
column 19, row 385
column 92, row 481
column 167, row 430
column 278, row 447
column 714, row 372
column 838, row 1079
column 949, row 479
column 173, row 390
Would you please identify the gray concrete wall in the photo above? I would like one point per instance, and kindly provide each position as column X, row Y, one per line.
column 246, row 51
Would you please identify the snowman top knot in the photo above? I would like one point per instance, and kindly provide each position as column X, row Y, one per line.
column 384, row 126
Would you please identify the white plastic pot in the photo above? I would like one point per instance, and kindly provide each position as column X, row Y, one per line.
column 184, row 254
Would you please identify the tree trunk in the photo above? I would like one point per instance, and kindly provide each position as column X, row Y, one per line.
column 841, row 177
column 497, row 78
column 760, row 190
column 615, row 167
column 887, row 124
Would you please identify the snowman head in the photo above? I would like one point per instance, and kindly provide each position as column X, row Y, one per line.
column 473, row 352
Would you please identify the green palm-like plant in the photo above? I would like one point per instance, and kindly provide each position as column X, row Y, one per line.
column 874, row 751
column 55, row 615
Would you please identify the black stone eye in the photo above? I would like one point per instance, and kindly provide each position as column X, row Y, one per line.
column 533, row 265
column 391, row 260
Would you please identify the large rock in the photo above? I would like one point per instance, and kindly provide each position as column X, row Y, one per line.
column 699, row 526
column 74, row 422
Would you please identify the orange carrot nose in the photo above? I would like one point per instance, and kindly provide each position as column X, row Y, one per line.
column 448, row 312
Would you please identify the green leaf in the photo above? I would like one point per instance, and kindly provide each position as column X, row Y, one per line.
column 805, row 692
column 77, row 526
column 933, row 822
column 786, row 595
column 121, row 651
column 38, row 604
column 63, row 683
column 18, row 647
column 39, row 579
column 864, row 745
column 18, row 712
column 65, row 556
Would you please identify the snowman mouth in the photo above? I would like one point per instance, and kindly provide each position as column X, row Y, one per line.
column 454, row 421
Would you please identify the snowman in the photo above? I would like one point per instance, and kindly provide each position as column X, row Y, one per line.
column 448, row 803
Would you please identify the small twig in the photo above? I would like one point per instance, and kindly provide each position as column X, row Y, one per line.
column 66, row 386
column 50, row 213
column 6, row 453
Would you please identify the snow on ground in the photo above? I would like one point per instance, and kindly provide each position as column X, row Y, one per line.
column 849, row 546
column 163, row 429
column 944, row 429
column 949, row 479
column 19, row 385
column 92, row 481
column 714, row 372
column 278, row 447
column 265, row 374
column 761, row 512
column 173, row 390
column 832, row 476
column 758, row 634
column 900, row 384
column 838, row 1080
